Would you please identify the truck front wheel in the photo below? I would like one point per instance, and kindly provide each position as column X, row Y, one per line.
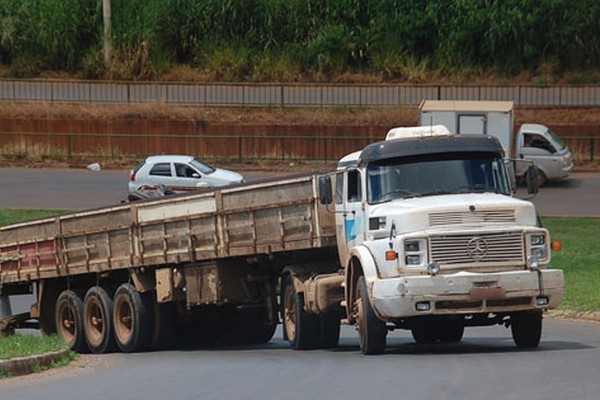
column 526, row 328
column 300, row 328
column 372, row 331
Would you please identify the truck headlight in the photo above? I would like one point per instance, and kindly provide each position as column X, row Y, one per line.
column 412, row 246
column 413, row 260
column 538, row 240
column 415, row 252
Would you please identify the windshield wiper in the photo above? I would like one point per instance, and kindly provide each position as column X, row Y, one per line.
column 480, row 188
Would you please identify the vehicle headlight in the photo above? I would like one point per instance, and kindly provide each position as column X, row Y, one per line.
column 415, row 252
column 566, row 161
column 537, row 249
column 538, row 240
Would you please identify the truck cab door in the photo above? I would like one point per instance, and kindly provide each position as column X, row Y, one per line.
column 537, row 149
column 350, row 222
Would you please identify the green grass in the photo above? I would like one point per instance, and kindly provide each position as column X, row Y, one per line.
column 8, row 217
column 19, row 345
column 579, row 259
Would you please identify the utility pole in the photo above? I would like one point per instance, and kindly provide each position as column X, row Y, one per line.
column 107, row 46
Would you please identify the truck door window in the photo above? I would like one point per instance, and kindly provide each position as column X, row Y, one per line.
column 539, row 142
column 339, row 188
column 354, row 187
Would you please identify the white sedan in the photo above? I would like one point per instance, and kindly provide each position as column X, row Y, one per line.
column 179, row 174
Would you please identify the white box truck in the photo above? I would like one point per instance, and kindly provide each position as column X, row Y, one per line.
column 533, row 142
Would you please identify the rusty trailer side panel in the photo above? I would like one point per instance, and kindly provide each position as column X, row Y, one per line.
column 260, row 218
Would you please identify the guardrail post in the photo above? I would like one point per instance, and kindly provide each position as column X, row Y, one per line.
column 69, row 146
column 592, row 148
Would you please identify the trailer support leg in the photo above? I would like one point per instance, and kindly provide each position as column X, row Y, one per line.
column 5, row 310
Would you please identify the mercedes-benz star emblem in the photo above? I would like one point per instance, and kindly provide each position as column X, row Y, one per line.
column 477, row 248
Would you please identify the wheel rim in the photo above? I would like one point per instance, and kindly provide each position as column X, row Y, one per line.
column 67, row 329
column 360, row 316
column 289, row 312
column 95, row 323
column 123, row 319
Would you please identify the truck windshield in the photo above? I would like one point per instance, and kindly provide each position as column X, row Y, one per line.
column 401, row 178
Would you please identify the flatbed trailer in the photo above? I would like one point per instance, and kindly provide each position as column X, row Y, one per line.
column 196, row 256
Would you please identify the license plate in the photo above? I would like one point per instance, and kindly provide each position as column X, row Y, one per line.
column 487, row 293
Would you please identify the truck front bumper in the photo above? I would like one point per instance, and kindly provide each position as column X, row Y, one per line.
column 466, row 293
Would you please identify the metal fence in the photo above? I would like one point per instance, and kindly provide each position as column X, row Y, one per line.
column 234, row 148
column 291, row 95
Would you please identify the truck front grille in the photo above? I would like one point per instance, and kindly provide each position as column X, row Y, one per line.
column 471, row 217
column 490, row 248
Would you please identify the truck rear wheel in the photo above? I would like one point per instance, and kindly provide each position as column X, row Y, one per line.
column 69, row 320
column 372, row 331
column 299, row 328
column 131, row 319
column 97, row 321
column 526, row 328
column 329, row 334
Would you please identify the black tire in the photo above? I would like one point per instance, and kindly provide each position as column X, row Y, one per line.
column 438, row 331
column 300, row 329
column 132, row 319
column 424, row 333
column 98, row 321
column 163, row 324
column 329, row 334
column 69, row 320
column 526, row 328
column 372, row 331
column 451, row 331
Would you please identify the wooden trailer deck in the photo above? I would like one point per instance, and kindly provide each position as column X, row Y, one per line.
column 251, row 219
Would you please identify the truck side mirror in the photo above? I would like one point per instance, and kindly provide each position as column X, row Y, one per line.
column 325, row 192
column 531, row 178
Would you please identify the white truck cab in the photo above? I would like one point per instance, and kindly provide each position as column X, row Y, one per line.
column 431, row 240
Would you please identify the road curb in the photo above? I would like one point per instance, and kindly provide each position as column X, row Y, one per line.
column 26, row 365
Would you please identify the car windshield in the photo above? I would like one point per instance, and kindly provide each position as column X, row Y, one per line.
column 402, row 178
column 200, row 166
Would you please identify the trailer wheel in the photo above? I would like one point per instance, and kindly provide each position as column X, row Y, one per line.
column 163, row 328
column 299, row 328
column 329, row 336
column 69, row 320
column 97, row 321
column 372, row 331
column 131, row 319
column 526, row 328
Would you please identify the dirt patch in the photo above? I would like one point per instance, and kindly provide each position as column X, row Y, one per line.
column 325, row 116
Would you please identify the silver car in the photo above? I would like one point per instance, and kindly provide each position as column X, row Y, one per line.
column 179, row 174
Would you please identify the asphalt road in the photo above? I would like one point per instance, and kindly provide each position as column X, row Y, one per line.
column 84, row 189
column 485, row 365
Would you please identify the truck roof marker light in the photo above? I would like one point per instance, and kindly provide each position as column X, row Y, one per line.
column 557, row 245
column 417, row 132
